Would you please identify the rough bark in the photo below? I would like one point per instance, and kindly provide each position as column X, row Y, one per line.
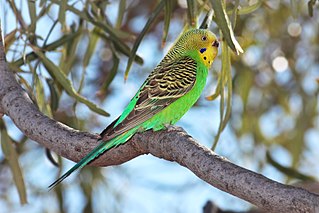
column 172, row 144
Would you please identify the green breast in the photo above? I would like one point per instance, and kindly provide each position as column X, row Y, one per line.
column 176, row 110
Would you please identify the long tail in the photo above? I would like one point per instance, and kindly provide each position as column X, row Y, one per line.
column 97, row 151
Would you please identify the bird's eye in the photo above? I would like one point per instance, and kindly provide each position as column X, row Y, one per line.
column 215, row 43
column 204, row 38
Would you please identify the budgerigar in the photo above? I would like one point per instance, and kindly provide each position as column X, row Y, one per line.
column 165, row 96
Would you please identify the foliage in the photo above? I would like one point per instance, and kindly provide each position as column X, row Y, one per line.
column 83, row 47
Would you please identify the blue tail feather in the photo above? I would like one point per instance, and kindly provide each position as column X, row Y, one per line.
column 97, row 151
column 102, row 147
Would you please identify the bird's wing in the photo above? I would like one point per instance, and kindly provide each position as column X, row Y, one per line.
column 164, row 85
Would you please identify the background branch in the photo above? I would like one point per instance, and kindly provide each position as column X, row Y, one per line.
column 173, row 144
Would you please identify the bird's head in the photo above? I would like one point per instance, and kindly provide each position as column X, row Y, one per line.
column 200, row 44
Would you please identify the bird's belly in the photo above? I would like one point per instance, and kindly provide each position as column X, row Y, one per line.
column 169, row 115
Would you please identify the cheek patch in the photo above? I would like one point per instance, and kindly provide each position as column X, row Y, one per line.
column 202, row 50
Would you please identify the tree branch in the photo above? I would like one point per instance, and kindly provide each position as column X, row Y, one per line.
column 172, row 144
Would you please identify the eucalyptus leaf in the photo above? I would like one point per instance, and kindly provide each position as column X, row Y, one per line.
column 224, row 25
column 120, row 47
column 54, row 94
column 225, row 80
column 12, row 156
column 147, row 26
column 192, row 11
column 249, row 9
column 52, row 46
column 9, row 39
column 60, row 76
column 62, row 11
column 311, row 4
column 112, row 73
column 291, row 172
column 294, row 9
column 90, row 49
column 119, row 20
column 33, row 18
column 167, row 20
column 207, row 20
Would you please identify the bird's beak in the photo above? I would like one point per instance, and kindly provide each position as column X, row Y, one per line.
column 215, row 44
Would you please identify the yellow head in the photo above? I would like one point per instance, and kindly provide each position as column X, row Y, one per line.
column 200, row 44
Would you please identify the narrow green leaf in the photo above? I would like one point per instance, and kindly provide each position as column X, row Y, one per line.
column 9, row 39
column 111, row 75
column 62, row 11
column 216, row 92
column 12, row 156
column 249, row 9
column 311, row 4
column 121, row 47
column 68, row 57
column 221, row 113
column 39, row 92
column 26, row 84
column 93, row 40
column 43, row 10
column 229, row 96
column 113, row 32
column 293, row 6
column 148, row 24
column 120, row 14
column 40, row 97
column 207, row 20
column 291, row 172
column 49, row 33
column 192, row 11
column 33, row 18
column 224, row 24
column 234, row 14
column 52, row 46
column 42, row 3
column 246, row 80
column 54, row 94
column 60, row 76
column 226, row 78
column 99, row 20
column 167, row 20
column 50, row 157
column 17, row 14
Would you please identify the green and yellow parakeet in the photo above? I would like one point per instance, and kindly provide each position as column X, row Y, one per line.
column 166, row 95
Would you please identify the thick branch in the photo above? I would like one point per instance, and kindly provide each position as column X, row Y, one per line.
column 173, row 144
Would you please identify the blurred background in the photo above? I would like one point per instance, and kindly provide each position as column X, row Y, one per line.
column 271, row 109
